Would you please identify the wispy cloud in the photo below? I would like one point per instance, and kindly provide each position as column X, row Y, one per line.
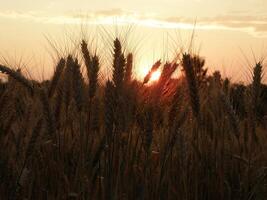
column 255, row 25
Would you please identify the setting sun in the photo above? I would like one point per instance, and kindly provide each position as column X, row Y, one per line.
column 142, row 72
column 155, row 76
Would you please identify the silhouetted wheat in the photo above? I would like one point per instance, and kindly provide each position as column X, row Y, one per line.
column 93, row 76
column 126, row 139
column 17, row 76
column 192, row 84
column 153, row 69
column 128, row 68
column 118, row 65
column 59, row 69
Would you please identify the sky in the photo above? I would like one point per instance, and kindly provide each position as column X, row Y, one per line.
column 226, row 33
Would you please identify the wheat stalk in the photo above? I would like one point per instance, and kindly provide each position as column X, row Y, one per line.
column 129, row 67
column 56, row 77
column 118, row 65
column 17, row 76
column 153, row 69
column 192, row 84
column 93, row 76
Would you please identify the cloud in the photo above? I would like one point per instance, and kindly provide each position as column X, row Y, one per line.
column 255, row 25
column 99, row 13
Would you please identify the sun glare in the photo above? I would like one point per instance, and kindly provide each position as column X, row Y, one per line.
column 143, row 71
column 155, row 76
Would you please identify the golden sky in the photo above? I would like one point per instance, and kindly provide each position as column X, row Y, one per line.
column 226, row 31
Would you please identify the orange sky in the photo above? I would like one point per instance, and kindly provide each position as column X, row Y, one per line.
column 224, row 31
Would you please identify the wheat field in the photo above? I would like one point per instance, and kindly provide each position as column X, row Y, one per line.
column 199, row 136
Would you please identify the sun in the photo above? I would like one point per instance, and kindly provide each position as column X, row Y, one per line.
column 155, row 76
column 145, row 70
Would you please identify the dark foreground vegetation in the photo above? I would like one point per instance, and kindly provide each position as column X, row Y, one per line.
column 198, row 137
